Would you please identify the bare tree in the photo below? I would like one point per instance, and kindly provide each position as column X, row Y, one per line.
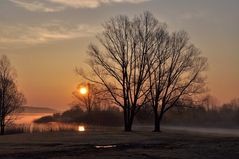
column 121, row 62
column 10, row 98
column 176, row 74
column 140, row 61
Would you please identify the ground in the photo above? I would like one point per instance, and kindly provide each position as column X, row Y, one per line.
column 140, row 144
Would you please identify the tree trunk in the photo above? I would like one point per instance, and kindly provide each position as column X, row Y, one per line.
column 157, row 122
column 2, row 129
column 125, row 120
column 128, row 121
column 128, row 127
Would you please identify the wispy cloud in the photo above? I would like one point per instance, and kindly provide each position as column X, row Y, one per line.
column 92, row 3
column 22, row 35
column 37, row 6
column 59, row 5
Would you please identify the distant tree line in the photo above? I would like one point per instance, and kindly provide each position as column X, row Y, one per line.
column 200, row 115
column 185, row 114
column 102, row 117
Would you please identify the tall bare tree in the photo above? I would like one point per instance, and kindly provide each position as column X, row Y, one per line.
column 139, row 61
column 121, row 62
column 10, row 98
column 176, row 74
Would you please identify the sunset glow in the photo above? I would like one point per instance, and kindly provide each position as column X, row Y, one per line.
column 49, row 38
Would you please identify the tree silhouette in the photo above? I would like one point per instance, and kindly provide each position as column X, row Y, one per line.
column 121, row 63
column 10, row 98
column 176, row 74
column 140, row 62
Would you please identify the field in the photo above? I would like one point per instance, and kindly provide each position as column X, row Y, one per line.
column 110, row 143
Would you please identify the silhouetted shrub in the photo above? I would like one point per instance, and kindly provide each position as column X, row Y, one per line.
column 45, row 119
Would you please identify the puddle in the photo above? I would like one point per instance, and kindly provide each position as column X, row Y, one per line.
column 105, row 146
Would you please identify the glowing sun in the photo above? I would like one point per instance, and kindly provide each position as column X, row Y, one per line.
column 83, row 90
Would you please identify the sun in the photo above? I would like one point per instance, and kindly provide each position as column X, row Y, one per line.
column 83, row 90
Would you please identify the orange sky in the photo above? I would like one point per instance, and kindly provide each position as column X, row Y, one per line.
column 46, row 40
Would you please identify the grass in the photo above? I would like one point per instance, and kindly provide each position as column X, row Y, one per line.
column 35, row 128
column 114, row 143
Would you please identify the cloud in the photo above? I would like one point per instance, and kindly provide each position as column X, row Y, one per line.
column 37, row 6
column 59, row 5
column 22, row 35
column 93, row 3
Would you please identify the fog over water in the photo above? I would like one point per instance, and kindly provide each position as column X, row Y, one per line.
column 28, row 118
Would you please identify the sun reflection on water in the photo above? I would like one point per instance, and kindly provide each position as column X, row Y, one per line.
column 81, row 128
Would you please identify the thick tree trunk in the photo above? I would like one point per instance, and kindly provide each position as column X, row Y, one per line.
column 125, row 120
column 128, row 127
column 156, row 125
column 157, row 122
column 128, row 121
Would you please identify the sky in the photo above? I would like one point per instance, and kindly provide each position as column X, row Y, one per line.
column 47, row 39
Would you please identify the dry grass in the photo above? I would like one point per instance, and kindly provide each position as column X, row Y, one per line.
column 134, row 145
